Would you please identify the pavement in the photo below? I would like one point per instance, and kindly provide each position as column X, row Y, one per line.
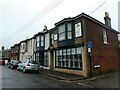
column 60, row 75
column 109, row 80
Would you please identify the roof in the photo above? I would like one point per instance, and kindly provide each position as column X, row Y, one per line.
column 24, row 41
column 86, row 16
column 64, row 20
column 94, row 20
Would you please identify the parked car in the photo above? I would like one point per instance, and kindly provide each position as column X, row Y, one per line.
column 28, row 65
column 13, row 64
column 2, row 62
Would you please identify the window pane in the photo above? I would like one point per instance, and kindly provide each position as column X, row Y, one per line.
column 61, row 36
column 45, row 58
column 69, row 35
column 56, row 58
column 73, row 50
column 42, row 43
column 60, row 52
column 64, row 52
column 61, row 32
column 79, row 50
column 104, row 33
column 61, row 28
column 51, row 38
column 105, row 36
column 38, row 39
column 55, row 36
column 42, row 38
column 68, row 51
column 69, row 27
column 37, row 44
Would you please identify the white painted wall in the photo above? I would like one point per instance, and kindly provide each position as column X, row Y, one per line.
column 30, row 48
column 23, row 53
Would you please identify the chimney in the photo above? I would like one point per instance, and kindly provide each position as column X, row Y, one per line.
column 3, row 48
column 107, row 19
column 45, row 28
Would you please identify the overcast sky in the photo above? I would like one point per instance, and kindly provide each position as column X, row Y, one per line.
column 21, row 19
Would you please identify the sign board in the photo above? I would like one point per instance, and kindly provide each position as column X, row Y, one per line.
column 89, row 44
column 97, row 66
column 89, row 49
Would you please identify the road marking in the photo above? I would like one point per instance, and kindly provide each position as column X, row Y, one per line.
column 85, row 85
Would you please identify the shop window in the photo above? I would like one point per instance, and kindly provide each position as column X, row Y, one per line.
column 69, row 58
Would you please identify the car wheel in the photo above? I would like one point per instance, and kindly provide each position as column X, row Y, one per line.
column 17, row 69
column 24, row 70
column 37, row 71
column 11, row 67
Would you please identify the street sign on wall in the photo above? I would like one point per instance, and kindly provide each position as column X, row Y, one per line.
column 89, row 44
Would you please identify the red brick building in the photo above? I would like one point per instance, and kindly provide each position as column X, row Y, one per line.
column 15, row 52
column 73, row 38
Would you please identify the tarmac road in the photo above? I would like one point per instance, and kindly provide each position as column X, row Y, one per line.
column 11, row 78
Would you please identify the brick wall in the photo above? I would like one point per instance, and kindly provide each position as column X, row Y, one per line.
column 104, row 54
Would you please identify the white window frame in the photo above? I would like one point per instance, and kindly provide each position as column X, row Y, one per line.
column 78, row 30
column 55, row 36
column 105, row 37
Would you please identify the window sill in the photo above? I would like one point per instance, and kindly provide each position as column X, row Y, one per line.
column 106, row 43
column 78, row 37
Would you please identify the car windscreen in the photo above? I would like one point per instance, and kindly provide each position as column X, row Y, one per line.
column 16, row 61
column 24, row 61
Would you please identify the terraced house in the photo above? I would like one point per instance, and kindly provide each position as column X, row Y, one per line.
column 23, row 50
column 42, row 44
column 79, row 45
column 15, row 54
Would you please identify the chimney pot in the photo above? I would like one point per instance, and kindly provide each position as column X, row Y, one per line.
column 45, row 28
column 106, row 14
column 107, row 19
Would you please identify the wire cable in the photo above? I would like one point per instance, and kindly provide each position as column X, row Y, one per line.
column 37, row 17
column 98, row 7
